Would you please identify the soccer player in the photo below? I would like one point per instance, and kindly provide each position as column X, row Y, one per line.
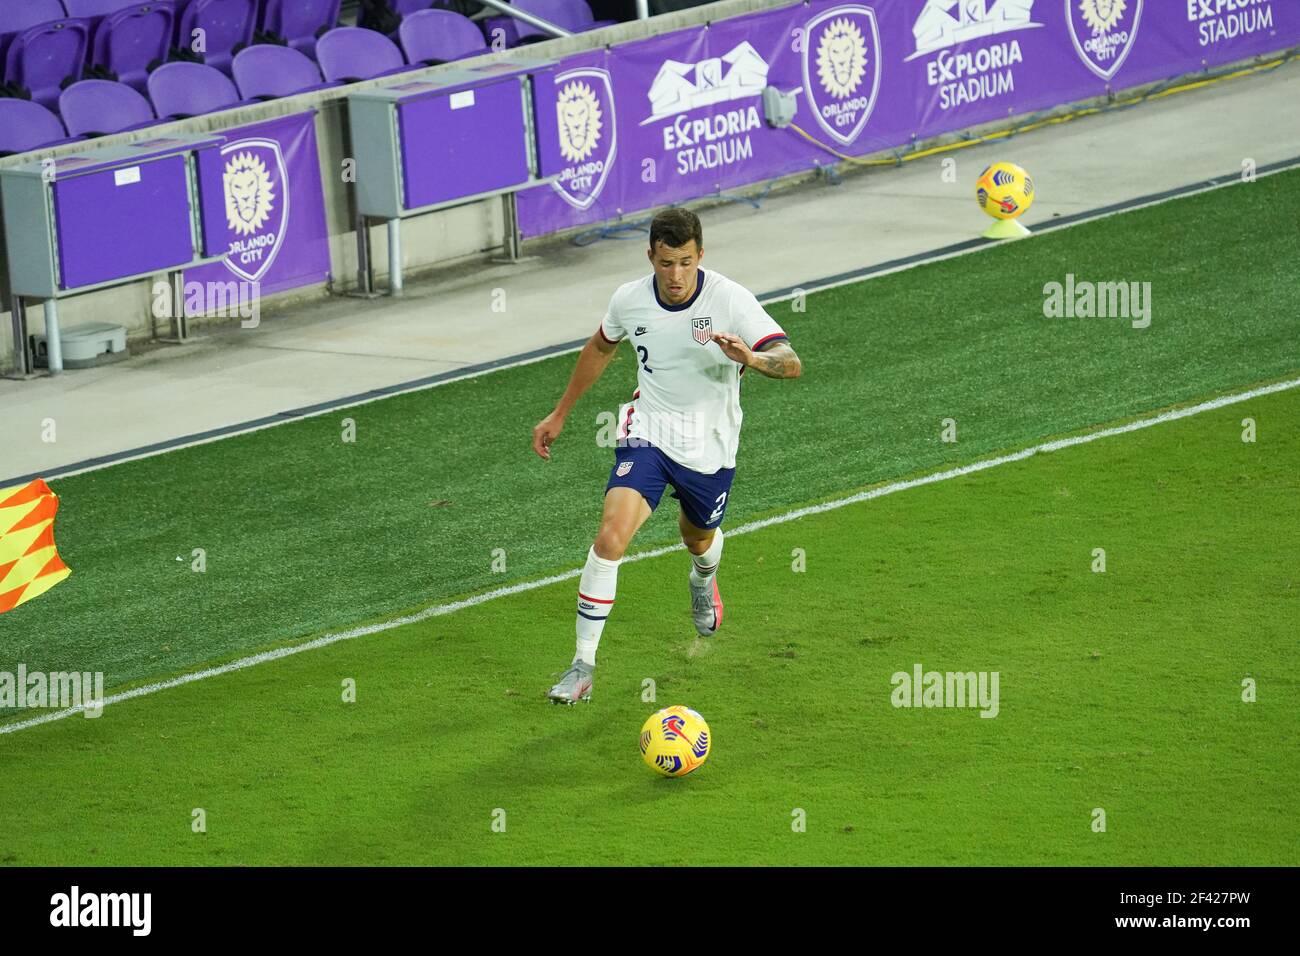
column 694, row 332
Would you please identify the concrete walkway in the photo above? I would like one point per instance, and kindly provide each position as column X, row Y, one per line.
column 326, row 350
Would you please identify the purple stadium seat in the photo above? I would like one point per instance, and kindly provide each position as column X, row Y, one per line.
column 227, row 24
column 299, row 22
column 574, row 15
column 266, row 71
column 439, row 36
column 129, row 43
column 100, row 107
column 349, row 54
column 182, row 89
column 95, row 8
column 44, row 59
column 25, row 126
column 19, row 15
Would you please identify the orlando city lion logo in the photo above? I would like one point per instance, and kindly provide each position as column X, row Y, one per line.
column 584, row 110
column 841, row 69
column 1103, row 32
column 580, row 121
column 841, row 58
column 256, row 187
column 249, row 193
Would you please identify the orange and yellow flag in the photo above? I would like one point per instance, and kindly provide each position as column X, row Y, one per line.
column 29, row 564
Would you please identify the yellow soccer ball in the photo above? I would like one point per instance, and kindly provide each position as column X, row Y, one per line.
column 675, row 741
column 1004, row 190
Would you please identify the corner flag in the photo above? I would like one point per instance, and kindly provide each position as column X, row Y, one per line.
column 29, row 564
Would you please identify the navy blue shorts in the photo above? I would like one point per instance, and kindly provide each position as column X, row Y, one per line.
column 647, row 469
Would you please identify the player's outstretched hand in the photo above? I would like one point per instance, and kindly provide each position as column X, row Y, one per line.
column 733, row 347
column 546, row 431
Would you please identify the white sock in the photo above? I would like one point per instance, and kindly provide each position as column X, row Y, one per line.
column 595, row 600
column 705, row 566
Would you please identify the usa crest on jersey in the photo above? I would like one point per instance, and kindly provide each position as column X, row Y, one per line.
column 702, row 329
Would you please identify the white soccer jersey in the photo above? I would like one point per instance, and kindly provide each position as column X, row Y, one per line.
column 687, row 401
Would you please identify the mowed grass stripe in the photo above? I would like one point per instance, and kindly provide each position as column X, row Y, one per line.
column 876, row 491
column 1119, row 690
column 306, row 534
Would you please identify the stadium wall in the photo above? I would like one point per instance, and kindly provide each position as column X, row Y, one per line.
column 924, row 76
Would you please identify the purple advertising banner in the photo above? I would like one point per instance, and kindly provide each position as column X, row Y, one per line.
column 679, row 116
column 270, row 208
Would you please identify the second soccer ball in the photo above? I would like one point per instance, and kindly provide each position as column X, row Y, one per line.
column 1004, row 190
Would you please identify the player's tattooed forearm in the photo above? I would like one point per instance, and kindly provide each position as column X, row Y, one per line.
column 777, row 361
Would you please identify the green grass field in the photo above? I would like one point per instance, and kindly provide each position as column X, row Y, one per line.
column 1119, row 690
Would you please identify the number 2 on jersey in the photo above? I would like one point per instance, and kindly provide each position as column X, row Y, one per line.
column 645, row 358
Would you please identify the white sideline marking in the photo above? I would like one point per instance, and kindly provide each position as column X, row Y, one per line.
column 441, row 609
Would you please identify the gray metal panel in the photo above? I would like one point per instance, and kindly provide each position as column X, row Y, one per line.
column 373, row 124
column 29, row 235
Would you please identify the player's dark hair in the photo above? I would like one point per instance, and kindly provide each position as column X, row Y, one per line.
column 675, row 227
